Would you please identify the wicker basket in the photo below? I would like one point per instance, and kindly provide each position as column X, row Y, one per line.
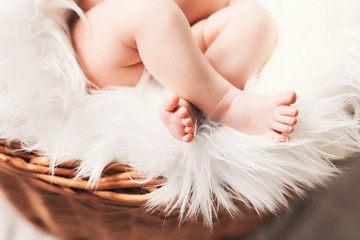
column 68, row 209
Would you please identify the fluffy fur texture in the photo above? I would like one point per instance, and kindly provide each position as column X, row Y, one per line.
column 44, row 104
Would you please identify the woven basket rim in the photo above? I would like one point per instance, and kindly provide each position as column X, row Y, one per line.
column 119, row 183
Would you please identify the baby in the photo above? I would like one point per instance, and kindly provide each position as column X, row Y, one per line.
column 203, row 51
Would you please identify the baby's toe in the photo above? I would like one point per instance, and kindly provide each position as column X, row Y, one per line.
column 189, row 129
column 187, row 122
column 170, row 102
column 286, row 98
column 280, row 127
column 187, row 138
column 286, row 111
column 182, row 112
column 278, row 137
column 291, row 121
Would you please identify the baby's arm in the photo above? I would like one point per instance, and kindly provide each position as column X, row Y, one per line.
column 196, row 10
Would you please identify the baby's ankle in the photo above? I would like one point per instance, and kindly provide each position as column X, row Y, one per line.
column 223, row 104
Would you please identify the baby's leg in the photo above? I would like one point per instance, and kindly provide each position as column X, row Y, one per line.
column 238, row 40
column 107, row 51
column 119, row 30
column 158, row 31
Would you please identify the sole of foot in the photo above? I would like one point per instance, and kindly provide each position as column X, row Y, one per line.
column 174, row 113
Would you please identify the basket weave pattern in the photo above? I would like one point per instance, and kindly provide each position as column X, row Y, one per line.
column 111, row 209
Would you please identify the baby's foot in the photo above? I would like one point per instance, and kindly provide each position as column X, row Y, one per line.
column 258, row 114
column 179, row 116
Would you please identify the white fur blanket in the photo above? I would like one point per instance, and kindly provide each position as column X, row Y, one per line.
column 44, row 104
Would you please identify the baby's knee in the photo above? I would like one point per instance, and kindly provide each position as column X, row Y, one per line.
column 127, row 18
column 262, row 22
column 163, row 10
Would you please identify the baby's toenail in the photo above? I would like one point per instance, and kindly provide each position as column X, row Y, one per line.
column 189, row 130
column 182, row 112
column 186, row 122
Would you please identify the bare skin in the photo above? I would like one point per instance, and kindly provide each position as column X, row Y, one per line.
column 178, row 115
column 207, row 64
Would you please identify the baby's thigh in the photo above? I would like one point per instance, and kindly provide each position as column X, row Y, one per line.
column 105, row 47
column 207, row 30
column 242, row 21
